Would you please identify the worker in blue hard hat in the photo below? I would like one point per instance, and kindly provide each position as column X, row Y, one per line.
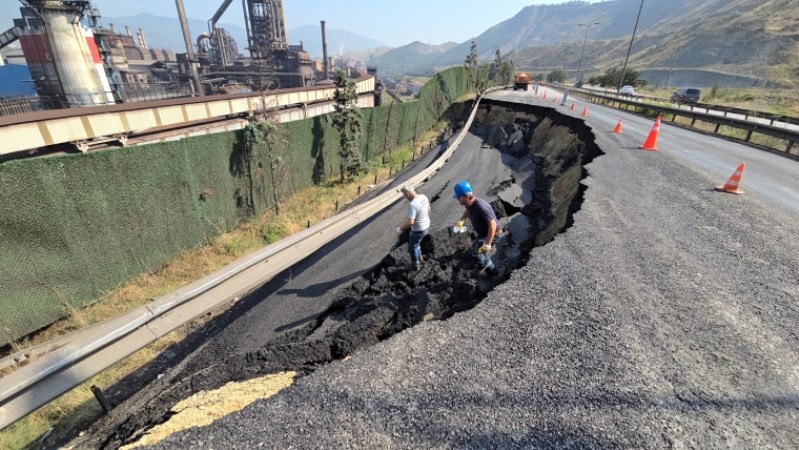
column 485, row 224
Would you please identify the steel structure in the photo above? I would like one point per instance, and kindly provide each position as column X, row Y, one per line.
column 80, row 127
column 266, row 27
column 62, row 56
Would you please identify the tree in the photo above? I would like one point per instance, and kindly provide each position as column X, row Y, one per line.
column 347, row 120
column 503, row 70
column 471, row 66
column 264, row 131
column 556, row 75
column 612, row 76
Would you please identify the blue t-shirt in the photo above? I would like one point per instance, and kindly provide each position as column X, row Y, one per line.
column 480, row 213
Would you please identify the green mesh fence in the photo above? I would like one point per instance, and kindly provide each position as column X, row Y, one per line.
column 73, row 228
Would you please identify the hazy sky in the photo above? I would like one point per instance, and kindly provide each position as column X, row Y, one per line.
column 395, row 23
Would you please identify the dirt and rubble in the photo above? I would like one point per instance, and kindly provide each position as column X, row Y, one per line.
column 391, row 297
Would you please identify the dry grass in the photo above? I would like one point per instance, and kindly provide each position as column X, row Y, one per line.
column 773, row 101
column 314, row 204
column 735, row 133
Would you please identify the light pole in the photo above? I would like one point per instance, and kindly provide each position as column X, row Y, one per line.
column 580, row 64
column 624, row 70
column 671, row 69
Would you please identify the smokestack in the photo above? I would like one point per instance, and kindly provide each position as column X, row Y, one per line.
column 324, row 50
column 189, row 48
column 113, row 28
column 127, row 31
column 142, row 41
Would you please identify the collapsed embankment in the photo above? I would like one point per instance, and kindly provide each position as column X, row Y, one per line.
column 547, row 153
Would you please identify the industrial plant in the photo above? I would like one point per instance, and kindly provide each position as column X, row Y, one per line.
column 76, row 61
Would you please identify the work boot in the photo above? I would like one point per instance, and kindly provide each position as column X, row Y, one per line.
column 481, row 271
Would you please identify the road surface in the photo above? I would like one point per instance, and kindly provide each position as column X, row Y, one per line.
column 666, row 316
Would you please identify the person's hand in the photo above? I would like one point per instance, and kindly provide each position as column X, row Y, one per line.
column 484, row 249
column 459, row 224
column 399, row 230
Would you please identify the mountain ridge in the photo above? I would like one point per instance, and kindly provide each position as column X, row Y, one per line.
column 754, row 38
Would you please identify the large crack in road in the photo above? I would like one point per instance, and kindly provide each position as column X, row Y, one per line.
column 551, row 149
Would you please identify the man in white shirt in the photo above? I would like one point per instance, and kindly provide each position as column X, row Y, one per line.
column 418, row 221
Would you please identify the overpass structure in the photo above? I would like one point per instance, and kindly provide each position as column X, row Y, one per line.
column 81, row 128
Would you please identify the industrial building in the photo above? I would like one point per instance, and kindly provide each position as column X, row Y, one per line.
column 74, row 61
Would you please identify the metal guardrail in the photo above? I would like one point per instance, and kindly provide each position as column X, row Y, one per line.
column 97, row 348
column 708, row 107
column 791, row 136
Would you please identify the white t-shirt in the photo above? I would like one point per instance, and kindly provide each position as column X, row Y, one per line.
column 419, row 212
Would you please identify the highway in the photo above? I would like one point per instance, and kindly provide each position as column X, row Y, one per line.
column 665, row 316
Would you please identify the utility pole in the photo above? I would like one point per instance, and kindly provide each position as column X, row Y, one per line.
column 580, row 64
column 189, row 48
column 624, row 70
column 671, row 69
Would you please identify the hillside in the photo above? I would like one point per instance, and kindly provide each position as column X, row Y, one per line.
column 758, row 39
column 416, row 58
column 338, row 41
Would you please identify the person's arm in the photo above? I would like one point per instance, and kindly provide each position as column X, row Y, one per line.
column 408, row 223
column 492, row 230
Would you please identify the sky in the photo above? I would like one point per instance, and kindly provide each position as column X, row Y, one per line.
column 395, row 23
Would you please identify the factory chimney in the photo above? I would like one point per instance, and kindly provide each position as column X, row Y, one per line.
column 189, row 48
column 324, row 50
column 127, row 31
column 142, row 41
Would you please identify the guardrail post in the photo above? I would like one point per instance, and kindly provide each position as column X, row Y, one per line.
column 748, row 136
column 790, row 146
column 98, row 394
column 716, row 131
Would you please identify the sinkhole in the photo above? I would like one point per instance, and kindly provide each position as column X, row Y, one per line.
column 389, row 298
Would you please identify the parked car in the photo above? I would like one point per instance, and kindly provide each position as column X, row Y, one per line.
column 686, row 95
column 627, row 90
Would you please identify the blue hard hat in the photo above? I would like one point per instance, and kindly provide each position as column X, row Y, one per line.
column 462, row 188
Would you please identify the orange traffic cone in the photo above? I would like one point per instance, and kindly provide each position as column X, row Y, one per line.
column 618, row 128
column 544, row 97
column 732, row 183
column 573, row 106
column 651, row 142
column 585, row 111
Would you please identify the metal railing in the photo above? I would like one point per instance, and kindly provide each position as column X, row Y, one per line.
column 779, row 127
column 132, row 93
column 147, row 92
column 19, row 105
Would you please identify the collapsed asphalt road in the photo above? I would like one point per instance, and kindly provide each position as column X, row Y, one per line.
column 535, row 199
column 664, row 317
